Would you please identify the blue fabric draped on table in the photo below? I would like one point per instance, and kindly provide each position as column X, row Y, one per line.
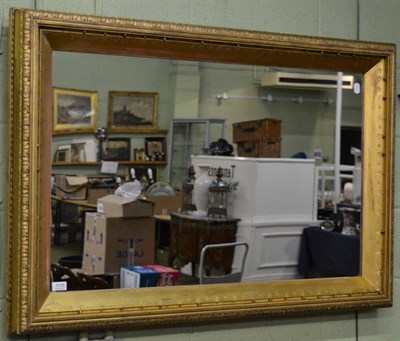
column 328, row 254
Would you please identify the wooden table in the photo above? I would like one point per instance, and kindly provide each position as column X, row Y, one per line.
column 190, row 233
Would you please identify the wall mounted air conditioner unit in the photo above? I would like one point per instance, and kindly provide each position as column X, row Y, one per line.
column 304, row 80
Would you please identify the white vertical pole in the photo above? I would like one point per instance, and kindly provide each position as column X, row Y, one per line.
column 170, row 150
column 337, row 135
column 207, row 138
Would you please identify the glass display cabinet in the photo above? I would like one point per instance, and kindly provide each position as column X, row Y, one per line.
column 189, row 137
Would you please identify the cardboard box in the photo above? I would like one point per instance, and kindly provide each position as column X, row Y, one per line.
column 70, row 187
column 138, row 277
column 107, row 241
column 96, row 193
column 166, row 276
column 166, row 204
column 116, row 206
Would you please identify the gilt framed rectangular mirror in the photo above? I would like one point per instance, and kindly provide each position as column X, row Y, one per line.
column 37, row 36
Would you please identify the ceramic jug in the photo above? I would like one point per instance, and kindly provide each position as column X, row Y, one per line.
column 200, row 190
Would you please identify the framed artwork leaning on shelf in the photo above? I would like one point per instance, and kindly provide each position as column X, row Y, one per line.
column 117, row 149
column 74, row 110
column 155, row 148
column 63, row 154
column 138, row 154
column 78, row 153
column 130, row 111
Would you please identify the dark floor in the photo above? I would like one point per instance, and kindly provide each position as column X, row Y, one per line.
column 74, row 249
column 64, row 250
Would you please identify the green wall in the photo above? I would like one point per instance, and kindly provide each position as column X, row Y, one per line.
column 189, row 90
column 379, row 20
column 306, row 126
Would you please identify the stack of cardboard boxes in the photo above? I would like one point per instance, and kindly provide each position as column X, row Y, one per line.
column 109, row 233
column 119, row 240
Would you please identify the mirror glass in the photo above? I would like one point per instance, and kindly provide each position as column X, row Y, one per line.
column 233, row 93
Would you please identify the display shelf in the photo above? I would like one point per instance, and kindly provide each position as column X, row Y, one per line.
column 115, row 131
column 85, row 166
column 97, row 163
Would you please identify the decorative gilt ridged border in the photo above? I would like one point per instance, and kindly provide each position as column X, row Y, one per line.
column 190, row 305
column 11, row 154
column 379, row 127
column 23, row 136
column 27, row 171
column 211, row 33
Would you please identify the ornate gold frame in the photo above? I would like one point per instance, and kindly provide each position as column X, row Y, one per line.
column 32, row 308
column 65, row 128
column 133, row 95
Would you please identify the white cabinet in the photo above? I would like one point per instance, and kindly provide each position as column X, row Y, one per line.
column 275, row 199
column 189, row 137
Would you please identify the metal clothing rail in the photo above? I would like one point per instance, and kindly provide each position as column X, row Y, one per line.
column 270, row 98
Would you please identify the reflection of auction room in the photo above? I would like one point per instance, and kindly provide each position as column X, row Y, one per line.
column 216, row 174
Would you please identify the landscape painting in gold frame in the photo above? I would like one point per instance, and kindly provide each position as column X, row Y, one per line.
column 74, row 110
column 132, row 111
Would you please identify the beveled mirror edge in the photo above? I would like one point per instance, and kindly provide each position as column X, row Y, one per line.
column 32, row 308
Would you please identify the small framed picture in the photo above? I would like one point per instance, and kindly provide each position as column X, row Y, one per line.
column 138, row 154
column 78, row 152
column 63, row 154
column 74, row 110
column 155, row 148
column 117, row 149
column 129, row 111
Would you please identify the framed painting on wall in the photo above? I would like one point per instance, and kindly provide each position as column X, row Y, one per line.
column 130, row 111
column 74, row 110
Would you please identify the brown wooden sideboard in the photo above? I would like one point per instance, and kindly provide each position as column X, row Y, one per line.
column 190, row 233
